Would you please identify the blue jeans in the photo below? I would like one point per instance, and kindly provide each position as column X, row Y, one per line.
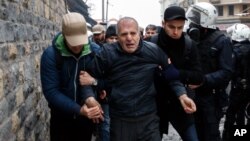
column 104, row 130
column 189, row 134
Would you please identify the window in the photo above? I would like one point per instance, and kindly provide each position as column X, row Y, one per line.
column 244, row 8
column 215, row 1
column 220, row 10
column 230, row 10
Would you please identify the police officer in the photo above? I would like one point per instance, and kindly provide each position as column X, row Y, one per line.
column 216, row 56
column 238, row 94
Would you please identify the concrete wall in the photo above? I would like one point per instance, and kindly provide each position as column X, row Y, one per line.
column 26, row 29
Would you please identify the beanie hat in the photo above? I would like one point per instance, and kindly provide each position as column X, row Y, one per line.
column 111, row 31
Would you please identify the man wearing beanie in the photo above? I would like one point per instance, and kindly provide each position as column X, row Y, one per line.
column 111, row 34
column 72, row 107
column 183, row 54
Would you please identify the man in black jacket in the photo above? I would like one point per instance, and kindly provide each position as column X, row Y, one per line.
column 183, row 54
column 129, row 67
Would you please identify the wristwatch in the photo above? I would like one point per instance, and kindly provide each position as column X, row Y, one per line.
column 94, row 82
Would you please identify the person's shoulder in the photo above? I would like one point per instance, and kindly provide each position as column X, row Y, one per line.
column 188, row 41
column 57, row 35
column 218, row 39
column 153, row 38
column 110, row 46
column 223, row 39
column 94, row 47
column 49, row 53
column 219, row 35
column 149, row 44
column 52, row 49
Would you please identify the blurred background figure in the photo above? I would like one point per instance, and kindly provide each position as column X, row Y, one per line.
column 141, row 32
column 104, row 127
column 150, row 31
column 239, row 95
column 111, row 34
column 98, row 34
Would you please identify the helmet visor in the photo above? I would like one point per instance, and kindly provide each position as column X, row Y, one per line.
column 194, row 15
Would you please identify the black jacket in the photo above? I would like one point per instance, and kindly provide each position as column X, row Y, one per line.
column 241, row 51
column 184, row 56
column 131, row 77
column 217, row 61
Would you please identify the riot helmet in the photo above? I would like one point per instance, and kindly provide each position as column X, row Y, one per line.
column 203, row 14
column 239, row 32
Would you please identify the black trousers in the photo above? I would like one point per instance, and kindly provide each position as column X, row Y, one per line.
column 207, row 117
column 235, row 112
column 144, row 128
column 70, row 128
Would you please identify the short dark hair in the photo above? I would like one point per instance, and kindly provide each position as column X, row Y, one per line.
column 151, row 26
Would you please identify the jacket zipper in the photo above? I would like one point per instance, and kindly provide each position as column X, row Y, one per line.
column 77, row 64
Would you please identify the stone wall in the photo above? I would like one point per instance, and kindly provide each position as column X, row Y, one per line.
column 26, row 29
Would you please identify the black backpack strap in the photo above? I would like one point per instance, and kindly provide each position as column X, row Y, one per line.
column 188, row 44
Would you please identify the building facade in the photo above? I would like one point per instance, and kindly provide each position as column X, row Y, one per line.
column 230, row 11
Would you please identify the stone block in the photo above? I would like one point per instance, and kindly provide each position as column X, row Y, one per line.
column 37, row 63
column 5, row 133
column 12, row 51
column 20, row 135
column 21, row 73
column 4, row 110
column 46, row 10
column 15, row 120
column 1, row 84
column 27, row 48
column 19, row 96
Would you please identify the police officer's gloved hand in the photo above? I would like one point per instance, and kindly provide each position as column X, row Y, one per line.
column 170, row 73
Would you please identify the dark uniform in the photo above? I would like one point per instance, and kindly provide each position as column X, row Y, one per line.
column 216, row 57
column 239, row 96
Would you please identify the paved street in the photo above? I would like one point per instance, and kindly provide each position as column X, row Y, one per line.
column 173, row 135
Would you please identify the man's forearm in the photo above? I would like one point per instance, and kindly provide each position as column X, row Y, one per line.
column 177, row 87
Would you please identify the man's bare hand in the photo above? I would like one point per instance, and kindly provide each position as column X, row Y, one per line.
column 92, row 112
column 187, row 104
column 92, row 102
column 85, row 78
